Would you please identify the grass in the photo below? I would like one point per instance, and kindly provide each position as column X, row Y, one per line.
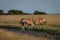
column 12, row 22
column 33, row 29
column 44, row 30
column 48, row 31
column 53, row 21
column 8, row 35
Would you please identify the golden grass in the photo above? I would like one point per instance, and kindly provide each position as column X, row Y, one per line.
column 15, row 19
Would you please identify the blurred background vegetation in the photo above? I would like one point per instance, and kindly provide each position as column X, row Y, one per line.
column 19, row 12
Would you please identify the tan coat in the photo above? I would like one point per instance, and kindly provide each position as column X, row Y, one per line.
column 27, row 21
column 39, row 21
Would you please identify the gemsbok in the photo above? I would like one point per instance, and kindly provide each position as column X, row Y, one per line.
column 40, row 21
column 27, row 21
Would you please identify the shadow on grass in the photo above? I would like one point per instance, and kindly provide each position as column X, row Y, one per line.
column 58, row 26
column 10, row 27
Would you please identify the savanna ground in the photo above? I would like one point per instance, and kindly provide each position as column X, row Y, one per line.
column 9, row 22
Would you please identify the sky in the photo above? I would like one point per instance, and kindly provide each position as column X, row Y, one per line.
column 29, row 6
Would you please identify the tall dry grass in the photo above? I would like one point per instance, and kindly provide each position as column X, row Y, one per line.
column 15, row 19
column 52, row 20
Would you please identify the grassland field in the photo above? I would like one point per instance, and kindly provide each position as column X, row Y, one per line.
column 14, row 20
column 53, row 22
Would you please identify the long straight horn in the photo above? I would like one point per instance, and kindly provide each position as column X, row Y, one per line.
column 32, row 17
